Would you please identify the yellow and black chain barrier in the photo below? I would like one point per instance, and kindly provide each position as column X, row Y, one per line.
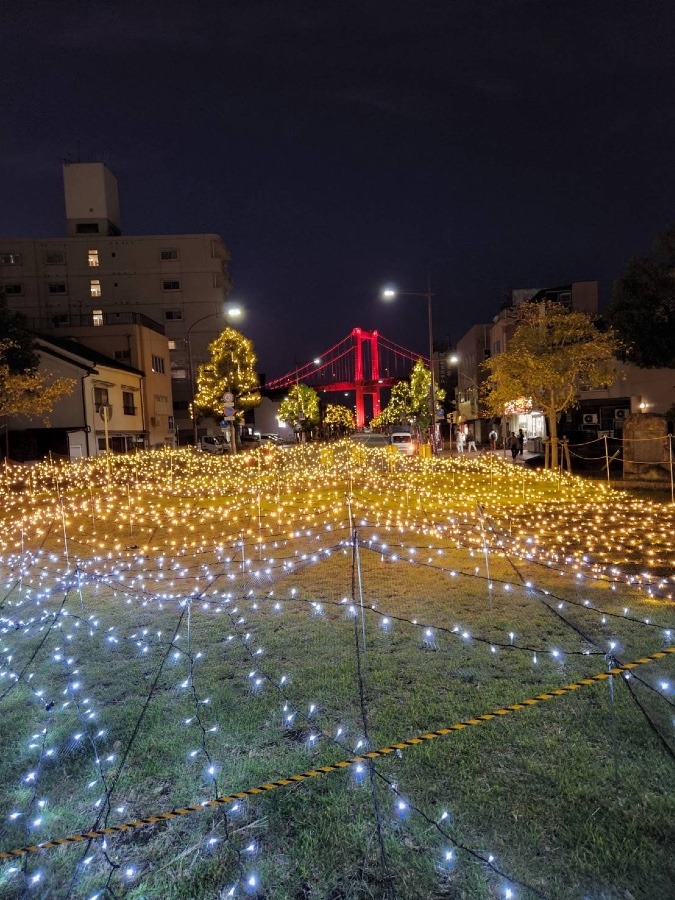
column 334, row 767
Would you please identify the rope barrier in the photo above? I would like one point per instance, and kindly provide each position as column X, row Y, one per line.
column 335, row 767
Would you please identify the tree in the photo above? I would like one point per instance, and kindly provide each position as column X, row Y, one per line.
column 18, row 342
column 642, row 310
column 339, row 417
column 23, row 390
column 301, row 408
column 553, row 355
column 411, row 399
column 28, row 393
column 231, row 368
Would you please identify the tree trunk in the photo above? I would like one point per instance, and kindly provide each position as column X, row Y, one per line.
column 553, row 434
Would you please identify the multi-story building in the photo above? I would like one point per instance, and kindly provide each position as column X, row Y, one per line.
column 134, row 340
column 94, row 271
column 486, row 340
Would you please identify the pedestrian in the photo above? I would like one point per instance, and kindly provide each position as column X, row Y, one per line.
column 513, row 445
column 471, row 446
column 460, row 441
column 493, row 439
column 521, row 441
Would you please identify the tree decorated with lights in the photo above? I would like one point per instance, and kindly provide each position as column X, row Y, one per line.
column 411, row 399
column 301, row 408
column 231, row 368
column 340, row 418
column 553, row 355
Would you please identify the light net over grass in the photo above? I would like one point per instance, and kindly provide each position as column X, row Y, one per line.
column 181, row 627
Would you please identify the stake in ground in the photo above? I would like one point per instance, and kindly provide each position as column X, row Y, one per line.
column 200, row 626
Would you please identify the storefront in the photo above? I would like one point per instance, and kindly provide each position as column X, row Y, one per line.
column 519, row 414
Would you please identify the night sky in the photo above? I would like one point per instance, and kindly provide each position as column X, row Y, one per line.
column 336, row 146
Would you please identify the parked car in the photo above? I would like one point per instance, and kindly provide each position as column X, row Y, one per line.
column 404, row 443
column 212, row 443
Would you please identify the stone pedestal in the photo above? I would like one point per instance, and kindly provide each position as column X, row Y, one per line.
column 645, row 448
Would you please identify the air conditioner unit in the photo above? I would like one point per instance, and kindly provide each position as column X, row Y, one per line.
column 590, row 418
column 621, row 413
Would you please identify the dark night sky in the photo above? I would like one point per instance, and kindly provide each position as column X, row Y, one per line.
column 339, row 145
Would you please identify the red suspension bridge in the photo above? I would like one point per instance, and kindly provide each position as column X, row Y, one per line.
column 364, row 362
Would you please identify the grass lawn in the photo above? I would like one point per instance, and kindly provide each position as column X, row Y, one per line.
column 186, row 627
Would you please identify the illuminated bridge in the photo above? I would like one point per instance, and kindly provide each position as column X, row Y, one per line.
column 363, row 362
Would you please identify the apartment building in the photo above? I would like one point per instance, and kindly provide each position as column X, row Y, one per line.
column 95, row 271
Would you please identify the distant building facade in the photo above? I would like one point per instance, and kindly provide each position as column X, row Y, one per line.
column 179, row 281
column 104, row 410
column 134, row 340
column 490, row 339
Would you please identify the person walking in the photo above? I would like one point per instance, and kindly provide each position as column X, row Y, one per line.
column 521, row 441
column 460, row 441
column 493, row 439
column 513, row 445
column 471, row 442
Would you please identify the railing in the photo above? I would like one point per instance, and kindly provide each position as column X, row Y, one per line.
column 78, row 320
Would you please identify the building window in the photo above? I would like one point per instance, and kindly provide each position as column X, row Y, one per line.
column 121, row 355
column 86, row 228
column 128, row 403
column 157, row 364
column 92, row 256
column 97, row 317
column 13, row 289
column 95, row 287
column 57, row 288
column 171, row 285
column 172, row 345
column 100, row 396
column 168, row 254
column 173, row 315
column 10, row 259
column 55, row 258
column 60, row 320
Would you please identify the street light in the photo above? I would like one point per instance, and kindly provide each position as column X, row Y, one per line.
column 390, row 294
column 231, row 311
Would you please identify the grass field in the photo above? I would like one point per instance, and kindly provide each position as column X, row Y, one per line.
column 181, row 627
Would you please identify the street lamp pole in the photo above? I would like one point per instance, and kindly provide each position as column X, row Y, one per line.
column 390, row 294
column 193, row 412
column 432, row 390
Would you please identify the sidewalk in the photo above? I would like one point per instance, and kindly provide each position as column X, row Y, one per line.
column 500, row 454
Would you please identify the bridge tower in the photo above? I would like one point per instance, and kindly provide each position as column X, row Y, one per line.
column 363, row 385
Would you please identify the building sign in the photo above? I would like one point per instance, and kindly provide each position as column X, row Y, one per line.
column 519, row 406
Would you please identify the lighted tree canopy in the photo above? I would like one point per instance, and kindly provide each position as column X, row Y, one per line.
column 231, row 368
column 339, row 417
column 410, row 400
column 300, row 408
column 553, row 355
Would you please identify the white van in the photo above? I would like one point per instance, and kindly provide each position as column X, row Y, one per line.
column 211, row 443
column 404, row 443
